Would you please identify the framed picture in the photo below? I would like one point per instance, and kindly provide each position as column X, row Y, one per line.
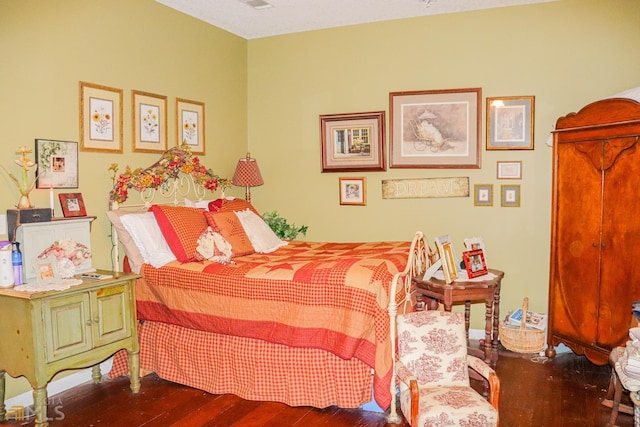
column 435, row 128
column 510, row 123
column 100, row 118
column 46, row 270
column 72, row 204
column 473, row 243
column 57, row 163
column 448, row 257
column 509, row 170
column 190, row 124
column 483, row 195
column 149, row 113
column 510, row 196
column 353, row 142
column 474, row 263
column 353, row 191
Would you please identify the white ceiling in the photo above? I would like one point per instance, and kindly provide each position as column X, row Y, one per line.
column 292, row 16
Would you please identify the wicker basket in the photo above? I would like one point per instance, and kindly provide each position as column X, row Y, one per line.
column 519, row 339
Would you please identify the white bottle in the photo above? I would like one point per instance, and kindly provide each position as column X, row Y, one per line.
column 6, row 265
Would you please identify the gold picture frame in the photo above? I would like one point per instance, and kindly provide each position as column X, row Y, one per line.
column 149, row 114
column 510, row 122
column 100, row 118
column 353, row 191
column 510, row 196
column 483, row 195
column 190, row 124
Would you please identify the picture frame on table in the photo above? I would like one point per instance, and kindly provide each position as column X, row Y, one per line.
column 46, row 270
column 100, row 118
column 510, row 122
column 474, row 263
column 483, row 195
column 353, row 142
column 57, row 163
column 435, row 128
column 474, row 243
column 510, row 196
column 72, row 204
column 448, row 258
column 353, row 191
column 149, row 114
column 190, row 124
column 509, row 170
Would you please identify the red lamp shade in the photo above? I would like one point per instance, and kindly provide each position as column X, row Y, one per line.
column 247, row 175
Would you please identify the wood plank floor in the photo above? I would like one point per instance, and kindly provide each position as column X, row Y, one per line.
column 535, row 392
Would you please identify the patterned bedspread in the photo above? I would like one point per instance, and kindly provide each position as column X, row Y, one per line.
column 329, row 296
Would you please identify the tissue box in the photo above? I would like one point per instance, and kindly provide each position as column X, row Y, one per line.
column 15, row 217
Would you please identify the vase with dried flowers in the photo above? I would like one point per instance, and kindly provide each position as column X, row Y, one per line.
column 27, row 180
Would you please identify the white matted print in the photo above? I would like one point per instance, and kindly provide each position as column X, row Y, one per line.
column 353, row 191
column 190, row 124
column 100, row 118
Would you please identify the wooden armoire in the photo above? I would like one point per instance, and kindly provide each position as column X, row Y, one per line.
column 595, row 228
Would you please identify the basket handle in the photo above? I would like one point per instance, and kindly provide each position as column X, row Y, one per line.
column 525, row 308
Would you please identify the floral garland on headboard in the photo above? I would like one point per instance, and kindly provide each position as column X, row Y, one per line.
column 174, row 161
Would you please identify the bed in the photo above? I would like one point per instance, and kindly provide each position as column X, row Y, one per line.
column 303, row 323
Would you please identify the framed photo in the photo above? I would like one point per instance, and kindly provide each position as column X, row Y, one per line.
column 190, row 124
column 448, row 257
column 510, row 123
column 473, row 243
column 100, row 118
column 435, row 128
column 72, row 204
column 46, row 270
column 353, row 191
column 510, row 196
column 57, row 163
column 474, row 263
column 509, row 170
column 483, row 195
column 149, row 113
column 353, row 142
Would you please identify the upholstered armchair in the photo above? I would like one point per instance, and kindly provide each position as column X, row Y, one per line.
column 433, row 372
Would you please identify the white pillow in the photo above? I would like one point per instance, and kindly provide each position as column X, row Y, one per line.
column 200, row 204
column 261, row 236
column 147, row 236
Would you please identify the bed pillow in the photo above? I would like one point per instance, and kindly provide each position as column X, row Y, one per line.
column 146, row 233
column 130, row 248
column 262, row 237
column 200, row 204
column 229, row 225
column 181, row 227
column 213, row 247
column 231, row 204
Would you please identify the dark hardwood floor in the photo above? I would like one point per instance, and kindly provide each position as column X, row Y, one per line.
column 535, row 392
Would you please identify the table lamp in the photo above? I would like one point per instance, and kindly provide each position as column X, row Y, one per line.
column 247, row 175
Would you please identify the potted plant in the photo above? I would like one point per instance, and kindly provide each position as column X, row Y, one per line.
column 281, row 227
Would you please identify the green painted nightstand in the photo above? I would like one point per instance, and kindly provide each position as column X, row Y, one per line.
column 46, row 332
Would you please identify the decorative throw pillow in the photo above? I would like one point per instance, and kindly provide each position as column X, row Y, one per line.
column 231, row 204
column 181, row 227
column 262, row 237
column 200, row 204
column 148, row 237
column 229, row 225
column 213, row 247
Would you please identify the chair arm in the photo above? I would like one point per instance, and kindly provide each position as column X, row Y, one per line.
column 403, row 374
column 406, row 377
column 489, row 374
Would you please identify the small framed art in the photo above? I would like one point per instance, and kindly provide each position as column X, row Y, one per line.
column 353, row 191
column 510, row 123
column 483, row 195
column 509, row 170
column 100, row 118
column 448, row 257
column 149, row 122
column 57, row 164
column 72, row 204
column 46, row 270
column 474, row 263
column 190, row 124
column 510, row 196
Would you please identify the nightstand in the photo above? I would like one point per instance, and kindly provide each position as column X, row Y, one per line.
column 44, row 333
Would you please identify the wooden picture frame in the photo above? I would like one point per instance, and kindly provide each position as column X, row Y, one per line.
column 509, row 170
column 510, row 196
column 353, row 191
column 57, row 163
column 353, row 142
column 149, row 114
column 435, row 128
column 510, row 122
column 474, row 263
column 190, row 124
column 100, row 118
column 483, row 195
column 473, row 243
column 72, row 204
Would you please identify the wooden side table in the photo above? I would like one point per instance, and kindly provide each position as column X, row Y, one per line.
column 468, row 292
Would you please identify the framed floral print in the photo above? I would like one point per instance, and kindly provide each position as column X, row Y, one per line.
column 100, row 118
column 190, row 124
column 149, row 113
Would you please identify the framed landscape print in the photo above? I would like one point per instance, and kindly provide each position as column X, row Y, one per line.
column 149, row 114
column 100, row 118
column 510, row 123
column 190, row 124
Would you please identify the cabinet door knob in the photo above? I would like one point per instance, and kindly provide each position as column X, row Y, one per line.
column 96, row 319
column 88, row 322
column 594, row 244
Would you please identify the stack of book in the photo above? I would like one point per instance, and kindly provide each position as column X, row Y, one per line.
column 533, row 320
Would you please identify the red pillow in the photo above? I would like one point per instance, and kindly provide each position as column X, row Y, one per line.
column 181, row 227
column 229, row 226
column 235, row 205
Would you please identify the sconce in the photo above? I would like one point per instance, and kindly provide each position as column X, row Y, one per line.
column 247, row 175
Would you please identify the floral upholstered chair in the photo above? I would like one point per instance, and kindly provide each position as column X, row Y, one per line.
column 432, row 369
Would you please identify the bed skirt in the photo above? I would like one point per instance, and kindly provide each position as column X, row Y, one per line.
column 249, row 368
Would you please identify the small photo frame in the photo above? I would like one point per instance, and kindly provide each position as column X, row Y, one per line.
column 353, row 191
column 149, row 122
column 509, row 170
column 448, row 257
column 510, row 123
column 510, row 196
column 46, row 270
column 483, row 195
column 474, row 263
column 190, row 124
column 474, row 243
column 72, row 204
column 57, row 164
column 100, row 118
column 353, row 142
